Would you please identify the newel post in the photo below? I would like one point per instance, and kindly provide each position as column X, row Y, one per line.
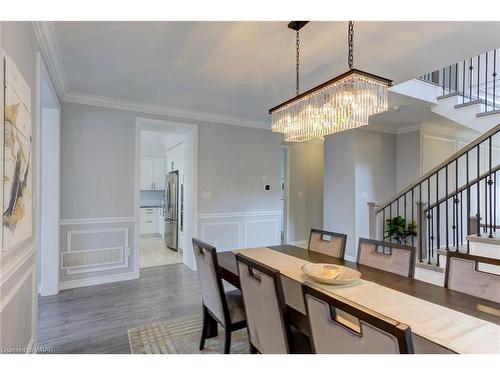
column 372, row 217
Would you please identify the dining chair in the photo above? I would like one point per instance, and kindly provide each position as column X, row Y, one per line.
column 269, row 329
column 387, row 256
column 371, row 333
column 463, row 275
column 328, row 243
column 226, row 308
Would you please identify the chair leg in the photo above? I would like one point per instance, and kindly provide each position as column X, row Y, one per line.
column 204, row 329
column 227, row 341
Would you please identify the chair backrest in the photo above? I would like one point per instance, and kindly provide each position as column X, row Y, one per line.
column 212, row 291
column 328, row 243
column 373, row 334
column 463, row 275
column 387, row 256
column 265, row 306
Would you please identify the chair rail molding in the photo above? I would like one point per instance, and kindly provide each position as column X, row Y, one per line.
column 101, row 220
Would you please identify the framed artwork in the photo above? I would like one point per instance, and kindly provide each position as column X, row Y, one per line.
column 17, row 223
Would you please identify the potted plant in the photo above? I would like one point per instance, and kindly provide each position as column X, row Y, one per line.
column 397, row 229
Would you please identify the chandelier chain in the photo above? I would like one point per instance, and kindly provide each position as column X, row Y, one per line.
column 350, row 42
column 297, row 69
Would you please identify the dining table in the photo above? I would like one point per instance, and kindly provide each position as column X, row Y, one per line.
column 465, row 323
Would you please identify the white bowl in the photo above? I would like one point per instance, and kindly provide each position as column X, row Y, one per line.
column 330, row 273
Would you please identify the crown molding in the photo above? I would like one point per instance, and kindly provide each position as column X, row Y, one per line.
column 46, row 36
column 152, row 109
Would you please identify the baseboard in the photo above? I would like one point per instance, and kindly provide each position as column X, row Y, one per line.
column 71, row 284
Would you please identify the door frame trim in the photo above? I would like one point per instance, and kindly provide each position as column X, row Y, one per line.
column 146, row 123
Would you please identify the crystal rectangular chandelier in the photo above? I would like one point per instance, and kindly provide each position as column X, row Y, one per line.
column 345, row 102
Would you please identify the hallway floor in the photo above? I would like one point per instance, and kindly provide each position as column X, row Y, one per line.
column 95, row 319
column 154, row 252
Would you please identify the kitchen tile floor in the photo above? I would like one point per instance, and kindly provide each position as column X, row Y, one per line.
column 154, row 252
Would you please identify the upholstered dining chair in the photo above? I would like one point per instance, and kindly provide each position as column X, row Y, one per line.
column 463, row 275
column 225, row 308
column 387, row 256
column 328, row 243
column 269, row 329
column 371, row 333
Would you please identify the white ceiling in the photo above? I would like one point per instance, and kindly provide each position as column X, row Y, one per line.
column 244, row 68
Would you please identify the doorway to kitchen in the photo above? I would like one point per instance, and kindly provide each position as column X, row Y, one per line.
column 165, row 192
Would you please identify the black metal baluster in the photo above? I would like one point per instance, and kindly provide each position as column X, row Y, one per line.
column 478, row 71
column 383, row 223
column 447, row 210
column 420, row 255
column 461, row 219
column 449, row 79
column 456, row 205
column 429, row 222
column 444, row 93
column 412, row 214
column 486, row 83
column 468, row 196
column 478, row 215
column 490, row 183
column 438, row 227
column 463, row 83
column 494, row 78
column 485, row 228
column 495, row 203
column 456, row 77
column 470, row 80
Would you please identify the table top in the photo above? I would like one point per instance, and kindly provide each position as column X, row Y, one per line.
column 467, row 304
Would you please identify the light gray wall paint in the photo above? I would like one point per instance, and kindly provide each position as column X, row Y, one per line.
column 360, row 166
column 18, row 318
column 375, row 173
column 98, row 169
column 408, row 158
column 305, row 184
column 98, row 162
column 339, row 186
column 233, row 163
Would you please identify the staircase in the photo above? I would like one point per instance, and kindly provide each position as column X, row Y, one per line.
column 455, row 206
column 467, row 92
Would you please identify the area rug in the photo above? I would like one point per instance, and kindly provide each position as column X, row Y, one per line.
column 182, row 336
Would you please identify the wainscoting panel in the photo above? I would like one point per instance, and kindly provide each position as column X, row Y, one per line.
column 96, row 251
column 233, row 230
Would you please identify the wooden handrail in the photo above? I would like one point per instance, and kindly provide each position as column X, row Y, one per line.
column 436, row 169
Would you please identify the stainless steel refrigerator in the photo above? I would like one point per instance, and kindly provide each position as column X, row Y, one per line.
column 171, row 210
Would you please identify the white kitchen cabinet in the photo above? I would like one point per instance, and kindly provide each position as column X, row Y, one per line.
column 159, row 173
column 153, row 172
column 149, row 220
column 146, row 172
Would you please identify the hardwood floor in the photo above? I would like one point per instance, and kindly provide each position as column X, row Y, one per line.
column 95, row 319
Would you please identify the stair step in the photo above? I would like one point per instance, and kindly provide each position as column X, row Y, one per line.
column 450, row 95
column 473, row 102
column 430, row 267
column 489, row 113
